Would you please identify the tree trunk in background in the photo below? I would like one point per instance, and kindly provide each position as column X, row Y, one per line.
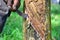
column 37, row 26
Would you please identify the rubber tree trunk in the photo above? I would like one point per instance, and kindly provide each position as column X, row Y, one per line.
column 37, row 25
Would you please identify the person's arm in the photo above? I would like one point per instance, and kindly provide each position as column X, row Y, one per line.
column 14, row 4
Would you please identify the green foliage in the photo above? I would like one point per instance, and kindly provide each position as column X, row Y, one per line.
column 13, row 27
column 55, row 8
column 55, row 21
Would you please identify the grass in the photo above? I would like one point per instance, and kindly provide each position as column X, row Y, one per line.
column 13, row 27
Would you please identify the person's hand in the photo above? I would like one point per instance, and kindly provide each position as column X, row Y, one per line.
column 14, row 4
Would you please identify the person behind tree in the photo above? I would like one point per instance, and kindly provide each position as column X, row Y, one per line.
column 14, row 4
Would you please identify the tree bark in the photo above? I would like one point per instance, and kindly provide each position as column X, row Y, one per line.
column 37, row 25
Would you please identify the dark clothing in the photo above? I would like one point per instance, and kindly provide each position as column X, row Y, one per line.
column 3, row 20
column 4, row 13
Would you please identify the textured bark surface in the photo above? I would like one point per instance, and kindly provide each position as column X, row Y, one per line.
column 37, row 26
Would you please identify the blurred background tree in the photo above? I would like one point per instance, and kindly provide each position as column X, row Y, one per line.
column 55, row 19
